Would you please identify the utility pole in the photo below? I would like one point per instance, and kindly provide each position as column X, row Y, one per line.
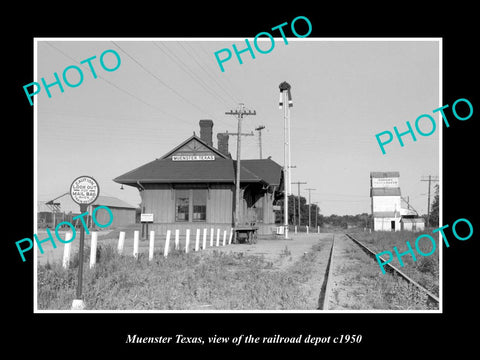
column 430, row 179
column 236, row 134
column 290, row 174
column 290, row 192
column 299, row 214
column 407, row 200
column 240, row 113
column 294, row 217
column 309, row 202
column 259, row 129
column 284, row 95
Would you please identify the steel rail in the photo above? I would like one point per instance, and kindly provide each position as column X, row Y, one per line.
column 327, row 288
column 394, row 270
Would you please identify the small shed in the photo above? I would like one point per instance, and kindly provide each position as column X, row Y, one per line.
column 44, row 214
column 412, row 224
column 63, row 208
column 386, row 221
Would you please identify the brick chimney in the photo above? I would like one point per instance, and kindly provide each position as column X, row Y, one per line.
column 223, row 143
column 206, row 128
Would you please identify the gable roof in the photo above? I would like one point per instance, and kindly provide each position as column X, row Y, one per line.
column 384, row 174
column 66, row 204
column 111, row 202
column 178, row 147
column 220, row 170
column 168, row 171
column 42, row 207
column 267, row 169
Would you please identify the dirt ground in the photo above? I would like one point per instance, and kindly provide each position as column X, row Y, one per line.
column 281, row 252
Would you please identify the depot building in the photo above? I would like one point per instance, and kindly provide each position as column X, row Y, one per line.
column 193, row 187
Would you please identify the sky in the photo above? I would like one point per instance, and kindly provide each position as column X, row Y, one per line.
column 345, row 91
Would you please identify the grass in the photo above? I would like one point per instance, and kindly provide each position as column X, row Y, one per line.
column 425, row 270
column 214, row 280
column 367, row 289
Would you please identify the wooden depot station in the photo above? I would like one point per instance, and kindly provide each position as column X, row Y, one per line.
column 193, row 187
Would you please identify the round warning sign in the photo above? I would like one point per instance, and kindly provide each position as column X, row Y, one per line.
column 84, row 190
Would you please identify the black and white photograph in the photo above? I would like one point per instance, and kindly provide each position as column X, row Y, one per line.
column 204, row 184
column 196, row 166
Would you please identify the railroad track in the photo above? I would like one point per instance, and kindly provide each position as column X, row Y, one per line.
column 326, row 291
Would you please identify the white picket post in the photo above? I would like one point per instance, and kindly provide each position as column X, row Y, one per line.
column 187, row 240
column 211, row 237
column 224, row 237
column 121, row 242
column 152, row 245
column 318, row 229
column 135, row 243
column 177, row 239
column 67, row 250
column 197, row 240
column 295, row 229
column 204, row 245
column 218, row 238
column 167, row 244
column 93, row 249
column 231, row 236
column 307, row 229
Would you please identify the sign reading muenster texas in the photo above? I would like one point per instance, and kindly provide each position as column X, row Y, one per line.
column 193, row 157
column 84, row 190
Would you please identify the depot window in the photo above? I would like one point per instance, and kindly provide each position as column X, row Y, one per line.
column 190, row 205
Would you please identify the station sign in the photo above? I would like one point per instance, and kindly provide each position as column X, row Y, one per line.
column 146, row 218
column 193, row 157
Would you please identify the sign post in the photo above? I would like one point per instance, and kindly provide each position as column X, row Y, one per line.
column 145, row 219
column 84, row 191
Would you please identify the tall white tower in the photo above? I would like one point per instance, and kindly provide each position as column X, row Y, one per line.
column 386, row 200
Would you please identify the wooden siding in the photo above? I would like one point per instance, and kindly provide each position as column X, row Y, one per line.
column 220, row 204
column 257, row 206
column 159, row 200
column 121, row 217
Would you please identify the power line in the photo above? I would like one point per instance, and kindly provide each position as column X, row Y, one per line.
column 161, row 81
column 240, row 113
column 299, row 214
column 430, row 179
column 337, row 194
column 184, row 67
column 259, row 129
column 116, row 86
column 309, row 204
column 227, row 80
column 208, row 73
column 200, row 65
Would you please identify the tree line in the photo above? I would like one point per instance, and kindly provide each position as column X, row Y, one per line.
column 360, row 220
